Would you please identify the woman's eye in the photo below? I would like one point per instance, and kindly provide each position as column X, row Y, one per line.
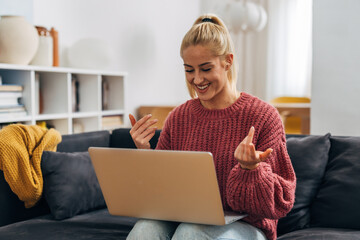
column 189, row 71
column 206, row 70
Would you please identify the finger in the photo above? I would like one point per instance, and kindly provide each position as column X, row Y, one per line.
column 263, row 156
column 132, row 119
column 246, row 154
column 237, row 152
column 242, row 150
column 142, row 129
column 250, row 135
column 139, row 123
column 244, row 141
column 146, row 131
column 252, row 151
column 150, row 134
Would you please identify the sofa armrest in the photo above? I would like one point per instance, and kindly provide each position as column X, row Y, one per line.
column 12, row 209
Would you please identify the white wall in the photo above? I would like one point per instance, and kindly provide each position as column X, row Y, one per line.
column 17, row 7
column 336, row 70
column 144, row 37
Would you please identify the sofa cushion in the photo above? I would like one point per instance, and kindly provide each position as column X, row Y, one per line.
column 322, row 234
column 80, row 142
column 337, row 203
column 309, row 156
column 70, row 184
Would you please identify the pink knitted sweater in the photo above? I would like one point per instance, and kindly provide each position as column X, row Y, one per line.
column 266, row 193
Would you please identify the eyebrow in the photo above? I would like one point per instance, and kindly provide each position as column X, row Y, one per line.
column 203, row 64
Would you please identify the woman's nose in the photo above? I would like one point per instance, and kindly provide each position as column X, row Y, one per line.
column 197, row 78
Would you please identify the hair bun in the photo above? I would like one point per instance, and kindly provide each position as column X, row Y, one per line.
column 207, row 20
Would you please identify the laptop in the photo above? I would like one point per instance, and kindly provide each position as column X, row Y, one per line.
column 178, row 186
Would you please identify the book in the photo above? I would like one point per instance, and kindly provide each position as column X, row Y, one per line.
column 37, row 94
column 10, row 98
column 75, row 94
column 112, row 122
column 105, row 94
column 78, row 127
column 7, row 109
column 7, row 115
column 12, row 111
column 11, row 88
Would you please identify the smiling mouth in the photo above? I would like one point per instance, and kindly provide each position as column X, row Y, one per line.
column 203, row 86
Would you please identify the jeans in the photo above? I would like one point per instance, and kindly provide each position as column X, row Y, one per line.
column 163, row 230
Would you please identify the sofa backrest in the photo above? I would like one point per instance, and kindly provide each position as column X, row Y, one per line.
column 82, row 141
column 337, row 202
column 121, row 138
column 13, row 210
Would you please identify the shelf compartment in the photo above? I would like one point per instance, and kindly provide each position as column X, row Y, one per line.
column 22, row 78
column 84, row 93
column 85, row 124
column 61, row 125
column 53, row 92
column 112, row 92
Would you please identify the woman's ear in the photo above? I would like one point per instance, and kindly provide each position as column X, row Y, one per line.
column 229, row 59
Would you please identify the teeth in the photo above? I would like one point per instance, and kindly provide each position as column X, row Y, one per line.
column 202, row 87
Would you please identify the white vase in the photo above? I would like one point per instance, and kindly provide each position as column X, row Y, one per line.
column 19, row 40
column 44, row 53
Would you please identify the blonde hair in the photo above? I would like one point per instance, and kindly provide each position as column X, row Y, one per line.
column 210, row 31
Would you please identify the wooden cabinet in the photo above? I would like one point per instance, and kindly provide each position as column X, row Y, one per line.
column 295, row 116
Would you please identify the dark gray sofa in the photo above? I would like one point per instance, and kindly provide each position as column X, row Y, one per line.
column 72, row 206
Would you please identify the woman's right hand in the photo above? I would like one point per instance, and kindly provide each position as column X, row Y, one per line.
column 141, row 131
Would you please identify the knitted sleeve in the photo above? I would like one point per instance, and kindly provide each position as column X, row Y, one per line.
column 269, row 190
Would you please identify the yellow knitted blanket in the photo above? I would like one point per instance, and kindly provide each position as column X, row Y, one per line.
column 21, row 148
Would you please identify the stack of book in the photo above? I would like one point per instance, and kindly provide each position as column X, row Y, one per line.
column 112, row 122
column 10, row 106
column 105, row 94
column 75, row 84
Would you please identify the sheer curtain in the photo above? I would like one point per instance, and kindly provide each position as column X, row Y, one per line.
column 289, row 48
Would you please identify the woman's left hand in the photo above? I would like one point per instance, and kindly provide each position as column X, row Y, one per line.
column 246, row 154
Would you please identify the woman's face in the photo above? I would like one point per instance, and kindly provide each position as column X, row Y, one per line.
column 207, row 75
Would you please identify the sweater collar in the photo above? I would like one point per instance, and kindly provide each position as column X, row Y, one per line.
column 203, row 112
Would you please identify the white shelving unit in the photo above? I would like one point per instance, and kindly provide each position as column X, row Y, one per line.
column 57, row 93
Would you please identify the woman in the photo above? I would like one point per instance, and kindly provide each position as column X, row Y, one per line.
column 244, row 134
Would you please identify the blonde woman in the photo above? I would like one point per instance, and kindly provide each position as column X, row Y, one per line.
column 244, row 134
